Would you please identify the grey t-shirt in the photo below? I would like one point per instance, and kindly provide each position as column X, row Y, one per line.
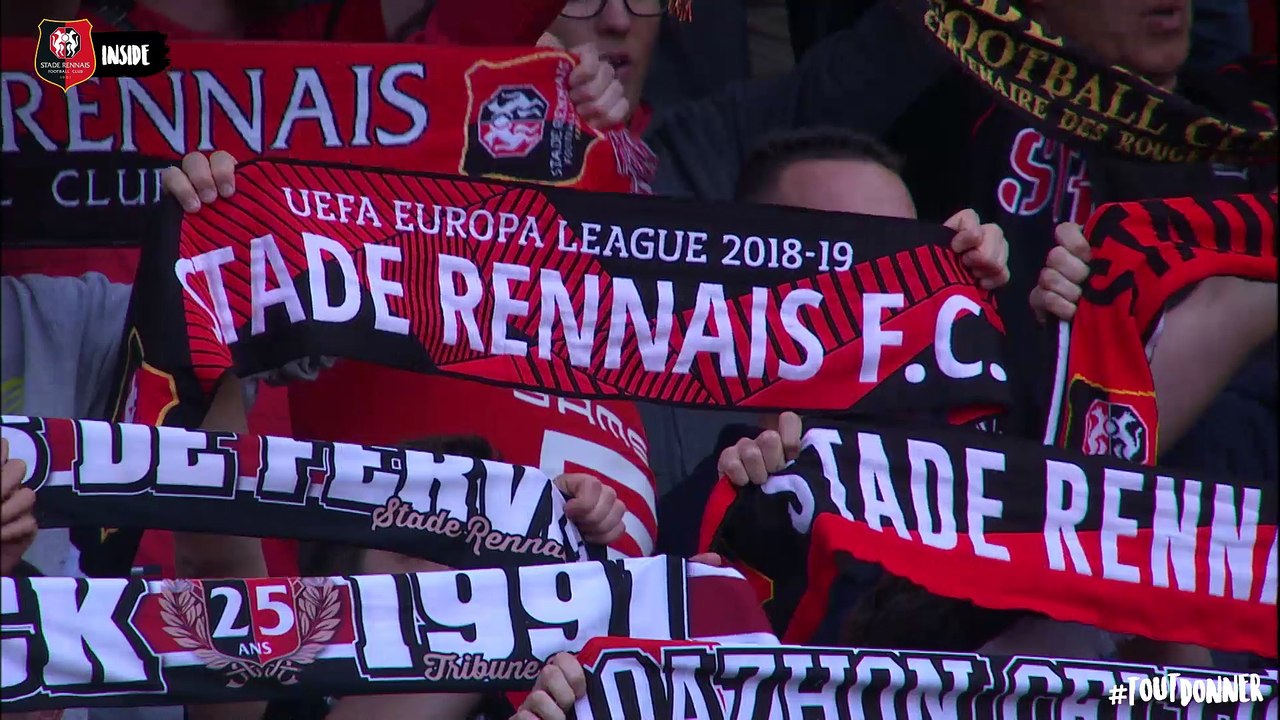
column 57, row 359
column 60, row 336
column 58, row 347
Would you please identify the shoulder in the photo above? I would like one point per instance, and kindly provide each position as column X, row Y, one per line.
column 65, row 302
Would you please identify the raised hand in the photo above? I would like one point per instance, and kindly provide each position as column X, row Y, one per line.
column 200, row 179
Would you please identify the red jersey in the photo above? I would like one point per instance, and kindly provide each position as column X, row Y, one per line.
column 362, row 403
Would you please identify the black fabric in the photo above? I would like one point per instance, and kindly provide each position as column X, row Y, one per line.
column 311, row 709
column 862, row 78
column 680, row 439
column 697, row 57
column 899, row 614
column 963, row 149
column 855, row 582
column 809, row 21
column 492, row 707
column 25, row 569
column 680, row 509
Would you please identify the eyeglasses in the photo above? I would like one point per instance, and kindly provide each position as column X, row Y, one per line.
column 586, row 9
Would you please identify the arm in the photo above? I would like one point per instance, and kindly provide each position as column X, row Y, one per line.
column 864, row 78
column 1232, row 316
column 222, row 556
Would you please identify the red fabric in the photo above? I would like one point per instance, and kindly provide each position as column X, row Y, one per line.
column 118, row 264
column 359, row 402
column 640, row 119
column 142, row 18
column 488, row 22
column 1263, row 15
column 1236, row 625
column 358, row 21
column 1149, row 251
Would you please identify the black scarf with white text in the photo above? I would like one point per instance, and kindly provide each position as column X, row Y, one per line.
column 546, row 289
column 75, row 642
column 1010, row 524
column 696, row 681
column 461, row 512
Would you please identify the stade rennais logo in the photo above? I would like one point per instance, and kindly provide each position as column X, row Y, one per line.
column 67, row 53
column 64, row 53
column 512, row 121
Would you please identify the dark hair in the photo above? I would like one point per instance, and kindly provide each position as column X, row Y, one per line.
column 777, row 152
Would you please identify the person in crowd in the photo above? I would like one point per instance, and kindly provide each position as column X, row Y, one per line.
column 901, row 614
column 966, row 148
column 836, row 171
column 88, row 314
column 59, row 341
column 810, row 172
column 700, row 145
column 599, row 521
column 593, row 507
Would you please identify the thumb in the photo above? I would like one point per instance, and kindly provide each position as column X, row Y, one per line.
column 791, row 428
column 571, row 483
column 4, row 451
column 588, row 64
column 966, row 219
column 550, row 41
column 1036, row 305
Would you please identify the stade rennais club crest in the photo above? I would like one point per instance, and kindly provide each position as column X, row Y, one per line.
column 64, row 53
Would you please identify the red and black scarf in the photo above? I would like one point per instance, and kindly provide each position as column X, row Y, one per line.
column 546, row 289
column 91, row 158
column 1144, row 255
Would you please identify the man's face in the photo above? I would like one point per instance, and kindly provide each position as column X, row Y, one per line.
column 624, row 40
column 1149, row 37
column 852, row 186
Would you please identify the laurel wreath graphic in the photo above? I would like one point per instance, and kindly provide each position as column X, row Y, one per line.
column 186, row 620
